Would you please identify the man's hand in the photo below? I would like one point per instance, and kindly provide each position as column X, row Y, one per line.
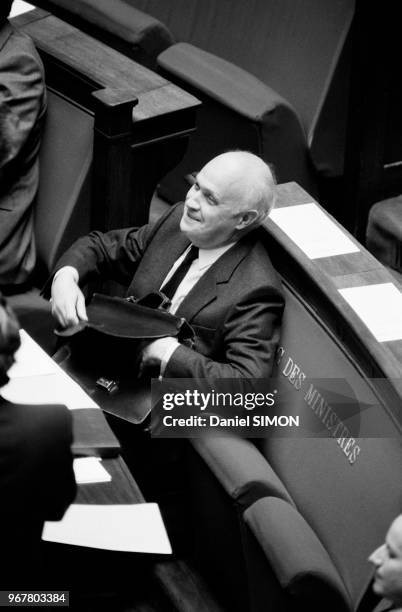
column 68, row 302
column 157, row 354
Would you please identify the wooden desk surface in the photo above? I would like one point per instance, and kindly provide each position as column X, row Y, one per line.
column 122, row 489
column 319, row 280
column 103, row 66
column 142, row 122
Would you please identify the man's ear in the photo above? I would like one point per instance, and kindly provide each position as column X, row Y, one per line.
column 247, row 218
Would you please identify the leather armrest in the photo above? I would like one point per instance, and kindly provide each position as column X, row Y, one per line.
column 221, row 80
column 242, row 470
column 296, row 555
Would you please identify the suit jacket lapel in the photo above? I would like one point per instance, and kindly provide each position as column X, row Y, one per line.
column 205, row 290
column 5, row 33
column 156, row 263
column 200, row 295
column 164, row 258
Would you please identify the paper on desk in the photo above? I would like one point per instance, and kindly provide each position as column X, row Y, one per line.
column 89, row 470
column 31, row 359
column 20, row 7
column 55, row 388
column 128, row 528
column 379, row 307
column 313, row 231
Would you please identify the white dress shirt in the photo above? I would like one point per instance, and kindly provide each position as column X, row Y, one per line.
column 206, row 257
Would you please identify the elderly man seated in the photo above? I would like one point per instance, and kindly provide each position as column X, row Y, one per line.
column 208, row 256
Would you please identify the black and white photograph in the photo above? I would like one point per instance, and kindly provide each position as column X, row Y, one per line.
column 200, row 305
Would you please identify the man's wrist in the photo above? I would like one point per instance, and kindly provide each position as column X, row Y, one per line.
column 169, row 350
column 70, row 270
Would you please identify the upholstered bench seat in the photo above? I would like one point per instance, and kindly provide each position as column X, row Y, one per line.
column 301, row 564
column 240, row 468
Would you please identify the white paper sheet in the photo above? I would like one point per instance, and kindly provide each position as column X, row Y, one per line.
column 312, row 231
column 128, row 528
column 20, row 7
column 379, row 307
column 36, row 379
column 31, row 359
column 55, row 388
column 89, row 470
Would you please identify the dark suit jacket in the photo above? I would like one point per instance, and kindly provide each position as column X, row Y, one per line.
column 22, row 107
column 36, row 484
column 235, row 308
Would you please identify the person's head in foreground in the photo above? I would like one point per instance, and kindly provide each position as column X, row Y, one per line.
column 387, row 560
column 9, row 339
column 231, row 195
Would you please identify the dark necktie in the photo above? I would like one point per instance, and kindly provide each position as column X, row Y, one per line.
column 170, row 288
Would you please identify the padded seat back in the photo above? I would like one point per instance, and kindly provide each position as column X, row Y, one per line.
column 300, row 563
column 344, row 487
column 293, row 47
column 297, row 49
column 62, row 207
column 62, row 211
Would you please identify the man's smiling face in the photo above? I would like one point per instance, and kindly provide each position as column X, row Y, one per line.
column 215, row 204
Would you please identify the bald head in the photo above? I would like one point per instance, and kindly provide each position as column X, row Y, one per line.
column 232, row 194
column 251, row 178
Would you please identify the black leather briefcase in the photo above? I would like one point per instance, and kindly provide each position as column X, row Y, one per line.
column 102, row 354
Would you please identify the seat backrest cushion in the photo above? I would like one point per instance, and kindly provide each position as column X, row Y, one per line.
column 63, row 203
column 295, row 554
column 293, row 47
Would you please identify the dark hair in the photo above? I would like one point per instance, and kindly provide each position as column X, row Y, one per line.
column 9, row 338
column 5, row 8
